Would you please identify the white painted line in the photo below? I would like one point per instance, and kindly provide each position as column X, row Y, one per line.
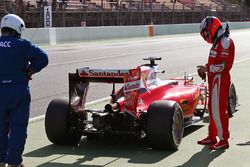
column 42, row 117
column 237, row 62
column 97, row 101
column 38, row 118
column 243, row 60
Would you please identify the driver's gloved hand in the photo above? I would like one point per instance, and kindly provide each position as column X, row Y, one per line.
column 202, row 72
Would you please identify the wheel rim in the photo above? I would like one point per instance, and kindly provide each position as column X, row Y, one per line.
column 232, row 100
column 177, row 127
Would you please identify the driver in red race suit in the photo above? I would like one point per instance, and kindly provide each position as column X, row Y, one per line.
column 218, row 68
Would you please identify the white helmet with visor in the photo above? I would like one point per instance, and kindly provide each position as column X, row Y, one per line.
column 14, row 22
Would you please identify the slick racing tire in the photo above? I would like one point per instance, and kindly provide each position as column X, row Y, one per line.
column 232, row 100
column 165, row 125
column 57, row 124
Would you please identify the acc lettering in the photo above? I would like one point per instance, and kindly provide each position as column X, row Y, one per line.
column 5, row 44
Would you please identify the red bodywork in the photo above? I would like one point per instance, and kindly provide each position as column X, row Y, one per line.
column 181, row 90
column 142, row 87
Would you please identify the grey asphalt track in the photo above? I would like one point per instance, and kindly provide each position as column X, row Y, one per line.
column 39, row 152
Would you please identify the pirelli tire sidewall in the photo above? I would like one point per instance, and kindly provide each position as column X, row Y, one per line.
column 57, row 124
column 165, row 125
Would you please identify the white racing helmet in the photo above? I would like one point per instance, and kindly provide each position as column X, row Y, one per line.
column 14, row 22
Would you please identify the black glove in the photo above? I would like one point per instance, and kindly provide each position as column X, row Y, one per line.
column 202, row 74
column 29, row 73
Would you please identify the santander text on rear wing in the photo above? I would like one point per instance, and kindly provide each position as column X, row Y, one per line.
column 103, row 75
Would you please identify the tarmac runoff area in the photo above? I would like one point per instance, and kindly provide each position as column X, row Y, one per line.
column 39, row 152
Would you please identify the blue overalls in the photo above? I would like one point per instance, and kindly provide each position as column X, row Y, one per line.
column 16, row 55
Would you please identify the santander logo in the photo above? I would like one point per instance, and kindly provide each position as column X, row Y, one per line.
column 102, row 73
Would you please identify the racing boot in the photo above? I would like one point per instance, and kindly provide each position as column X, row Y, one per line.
column 2, row 164
column 222, row 144
column 207, row 141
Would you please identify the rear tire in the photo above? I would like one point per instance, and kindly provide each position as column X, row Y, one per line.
column 232, row 100
column 165, row 125
column 57, row 124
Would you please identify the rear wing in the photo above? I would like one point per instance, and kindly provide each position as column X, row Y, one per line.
column 79, row 84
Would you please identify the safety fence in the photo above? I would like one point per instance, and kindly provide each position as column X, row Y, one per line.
column 74, row 13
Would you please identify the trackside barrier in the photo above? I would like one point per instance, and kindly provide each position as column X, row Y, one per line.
column 193, row 28
column 71, row 34
column 151, row 32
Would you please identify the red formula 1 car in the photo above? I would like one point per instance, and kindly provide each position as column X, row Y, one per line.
column 145, row 106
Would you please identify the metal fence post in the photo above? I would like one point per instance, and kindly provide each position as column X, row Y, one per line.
column 102, row 13
column 162, row 12
column 41, row 16
column 173, row 13
column 64, row 10
column 183, row 13
column 142, row 13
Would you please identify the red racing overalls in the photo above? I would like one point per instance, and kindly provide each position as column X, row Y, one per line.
column 219, row 64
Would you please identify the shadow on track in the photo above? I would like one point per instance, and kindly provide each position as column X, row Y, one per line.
column 244, row 144
column 136, row 151
column 202, row 158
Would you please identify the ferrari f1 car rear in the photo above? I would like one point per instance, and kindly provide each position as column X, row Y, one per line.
column 144, row 106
